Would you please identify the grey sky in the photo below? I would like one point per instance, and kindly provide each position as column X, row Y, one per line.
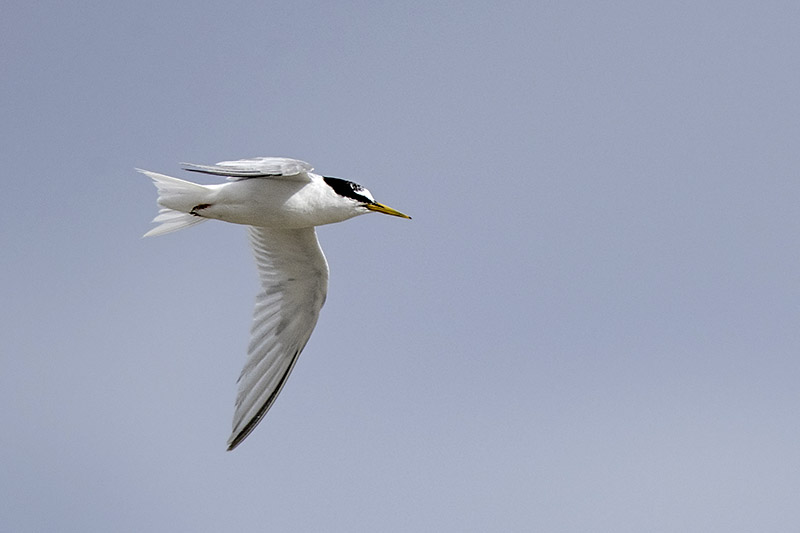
column 591, row 324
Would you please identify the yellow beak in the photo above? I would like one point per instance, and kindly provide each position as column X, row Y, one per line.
column 380, row 208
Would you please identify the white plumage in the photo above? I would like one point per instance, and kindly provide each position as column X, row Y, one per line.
column 282, row 201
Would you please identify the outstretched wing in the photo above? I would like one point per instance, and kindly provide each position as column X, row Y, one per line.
column 294, row 282
column 258, row 167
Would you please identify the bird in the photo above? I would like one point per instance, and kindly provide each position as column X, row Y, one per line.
column 281, row 201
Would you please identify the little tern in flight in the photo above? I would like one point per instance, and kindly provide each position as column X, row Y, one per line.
column 281, row 201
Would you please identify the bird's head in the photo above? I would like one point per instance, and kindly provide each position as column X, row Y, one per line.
column 360, row 196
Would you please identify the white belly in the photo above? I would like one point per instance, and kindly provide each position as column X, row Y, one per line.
column 276, row 203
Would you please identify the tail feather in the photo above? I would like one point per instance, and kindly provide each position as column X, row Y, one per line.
column 171, row 220
column 177, row 198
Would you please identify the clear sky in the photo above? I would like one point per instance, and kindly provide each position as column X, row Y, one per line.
column 591, row 324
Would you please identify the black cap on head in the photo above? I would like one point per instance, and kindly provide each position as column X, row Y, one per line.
column 349, row 189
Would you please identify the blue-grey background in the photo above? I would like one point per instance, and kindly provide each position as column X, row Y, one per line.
column 591, row 324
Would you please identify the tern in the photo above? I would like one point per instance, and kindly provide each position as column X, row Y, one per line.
column 281, row 201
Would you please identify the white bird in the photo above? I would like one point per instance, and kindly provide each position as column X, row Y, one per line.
column 282, row 201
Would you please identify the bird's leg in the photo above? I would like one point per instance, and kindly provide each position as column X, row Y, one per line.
column 197, row 208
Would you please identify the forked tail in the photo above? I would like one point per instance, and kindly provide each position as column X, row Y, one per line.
column 177, row 198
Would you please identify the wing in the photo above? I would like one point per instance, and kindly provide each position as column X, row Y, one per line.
column 294, row 282
column 258, row 167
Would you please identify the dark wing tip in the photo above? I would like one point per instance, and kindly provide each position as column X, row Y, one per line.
column 222, row 171
column 251, row 425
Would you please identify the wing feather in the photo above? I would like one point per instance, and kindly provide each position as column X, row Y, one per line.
column 257, row 167
column 294, row 281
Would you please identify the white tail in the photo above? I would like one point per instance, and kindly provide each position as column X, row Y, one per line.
column 177, row 198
